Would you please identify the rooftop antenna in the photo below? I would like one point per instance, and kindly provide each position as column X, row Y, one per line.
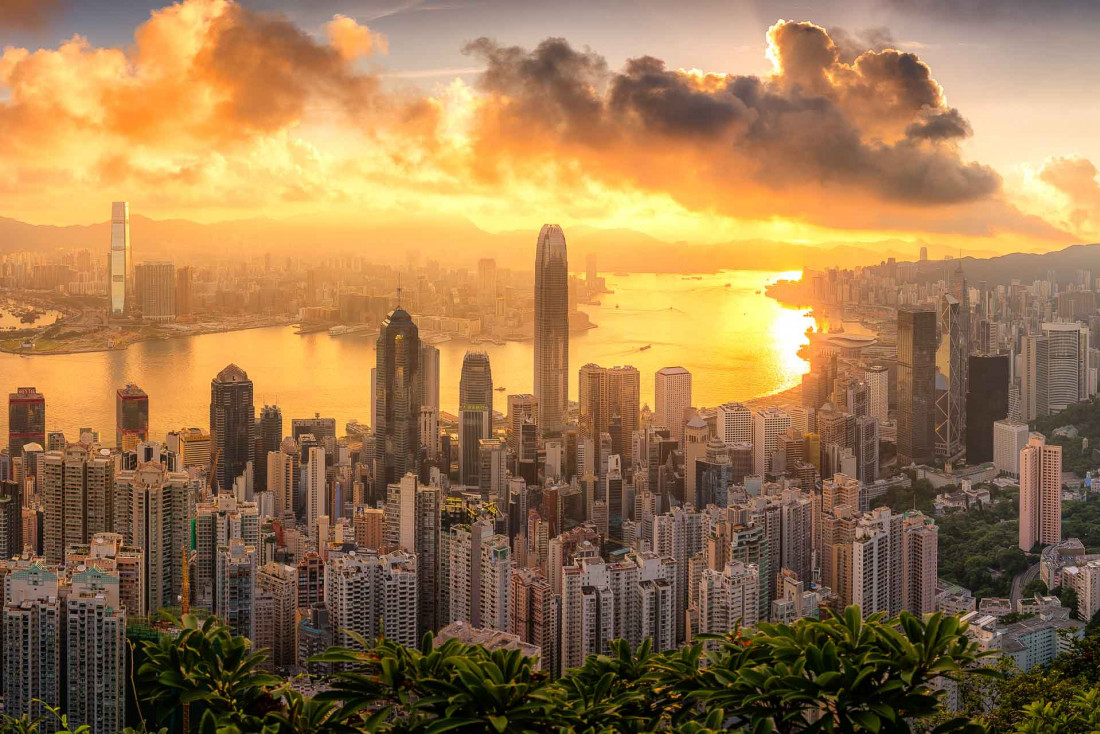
column 399, row 290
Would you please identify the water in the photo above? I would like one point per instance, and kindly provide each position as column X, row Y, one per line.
column 8, row 319
column 737, row 343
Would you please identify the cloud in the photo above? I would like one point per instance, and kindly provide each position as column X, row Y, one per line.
column 1074, row 178
column 29, row 14
column 352, row 40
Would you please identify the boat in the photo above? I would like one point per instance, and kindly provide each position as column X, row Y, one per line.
column 501, row 389
column 647, row 346
column 339, row 330
column 729, row 284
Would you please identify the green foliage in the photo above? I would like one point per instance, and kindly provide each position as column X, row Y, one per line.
column 1078, row 715
column 1086, row 417
column 979, row 549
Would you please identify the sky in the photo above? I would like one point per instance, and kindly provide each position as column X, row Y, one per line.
column 967, row 123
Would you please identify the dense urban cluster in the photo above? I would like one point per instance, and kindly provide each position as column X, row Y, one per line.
column 540, row 522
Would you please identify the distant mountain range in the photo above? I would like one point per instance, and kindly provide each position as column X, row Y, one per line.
column 395, row 238
column 1022, row 266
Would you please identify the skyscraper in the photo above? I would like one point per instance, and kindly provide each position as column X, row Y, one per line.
column 26, row 420
column 604, row 393
column 734, row 423
column 184, row 278
column 397, row 399
column 155, row 291
column 767, row 425
column 951, row 366
column 131, row 417
column 232, row 426
column 551, row 329
column 429, row 376
column 1040, row 493
column 877, row 378
column 1067, row 365
column 77, row 491
column 986, row 404
column 475, row 410
column 672, row 393
column 1009, row 439
column 120, row 270
column 270, row 435
column 916, row 385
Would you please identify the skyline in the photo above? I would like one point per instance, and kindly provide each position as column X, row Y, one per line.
column 210, row 110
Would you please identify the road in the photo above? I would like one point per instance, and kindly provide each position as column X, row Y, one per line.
column 1021, row 580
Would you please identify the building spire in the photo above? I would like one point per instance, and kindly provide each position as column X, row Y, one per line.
column 399, row 290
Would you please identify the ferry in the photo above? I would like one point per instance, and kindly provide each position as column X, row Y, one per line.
column 647, row 346
column 501, row 389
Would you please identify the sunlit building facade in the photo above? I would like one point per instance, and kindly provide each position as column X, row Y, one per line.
column 120, row 269
column 551, row 329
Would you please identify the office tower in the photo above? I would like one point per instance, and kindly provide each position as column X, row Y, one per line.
column 920, row 563
column 26, row 420
column 216, row 525
column 11, row 518
column 533, row 615
column 278, row 583
column 696, row 436
column 236, row 587
column 270, row 436
column 154, row 508
column 916, row 385
column 194, row 447
column 1040, row 493
column 475, row 410
column 521, row 408
column 767, row 424
column 316, row 491
column 551, row 329
column 492, row 473
column 232, row 426
column 367, row 592
column 487, row 282
column 131, row 417
column 734, row 423
column 1034, row 377
column 672, row 391
column 155, row 285
column 95, row 652
column 78, row 497
column 986, row 404
column 282, row 476
column 877, row 378
column 120, row 269
column 479, row 575
column 397, row 399
column 32, row 623
column 1009, row 439
column 591, row 275
column 728, row 597
column 429, row 376
column 184, row 301
column 951, row 364
column 1067, row 365
column 866, row 448
column 606, row 392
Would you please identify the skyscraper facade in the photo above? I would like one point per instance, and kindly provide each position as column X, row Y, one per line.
column 916, row 385
column 232, row 426
column 397, row 399
column 986, row 404
column 605, row 393
column 155, row 291
column 26, row 420
column 551, row 329
column 120, row 270
column 1067, row 365
column 131, row 417
column 475, row 410
column 951, row 366
column 672, row 393
column 270, row 437
column 1040, row 493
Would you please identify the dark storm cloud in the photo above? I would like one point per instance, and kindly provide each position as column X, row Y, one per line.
column 940, row 125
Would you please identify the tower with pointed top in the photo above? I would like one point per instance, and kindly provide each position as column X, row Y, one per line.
column 397, row 398
column 551, row 329
column 232, row 426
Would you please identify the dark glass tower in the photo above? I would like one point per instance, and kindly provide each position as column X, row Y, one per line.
column 397, row 399
column 26, row 420
column 270, row 432
column 475, row 409
column 551, row 329
column 232, row 426
column 986, row 404
column 131, row 417
column 916, row 385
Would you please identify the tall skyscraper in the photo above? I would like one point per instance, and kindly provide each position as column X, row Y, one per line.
column 487, row 281
column 767, row 425
column 916, row 385
column 184, row 280
column 986, row 404
column 734, row 423
column 429, row 376
column 951, row 367
column 120, row 269
column 131, row 417
column 1067, row 365
column 234, row 602
column 1034, row 353
column 1009, row 439
column 26, row 420
column 551, row 329
column 155, row 291
column 1040, row 493
column 232, row 426
column 397, row 399
column 370, row 593
column 877, row 378
column 270, row 436
column 78, row 497
column 604, row 393
column 475, row 410
column 672, row 393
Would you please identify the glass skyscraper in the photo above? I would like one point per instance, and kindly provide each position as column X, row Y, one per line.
column 551, row 329
column 397, row 399
column 232, row 426
column 475, row 409
column 120, row 268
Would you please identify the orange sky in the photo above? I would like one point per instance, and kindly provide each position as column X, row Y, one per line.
column 217, row 111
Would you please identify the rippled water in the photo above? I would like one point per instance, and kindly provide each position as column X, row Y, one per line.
column 737, row 343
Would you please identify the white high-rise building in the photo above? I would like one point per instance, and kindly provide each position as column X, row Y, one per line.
column 1009, row 438
column 479, row 568
column 1067, row 365
column 672, row 393
column 729, row 597
column 316, row 490
column 767, row 424
column 367, row 593
column 734, row 423
column 120, row 268
column 877, row 378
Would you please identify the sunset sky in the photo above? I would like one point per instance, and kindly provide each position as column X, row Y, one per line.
column 969, row 124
